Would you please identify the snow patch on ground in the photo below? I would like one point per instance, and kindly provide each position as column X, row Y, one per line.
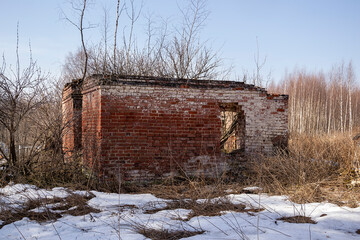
column 252, row 189
column 120, row 214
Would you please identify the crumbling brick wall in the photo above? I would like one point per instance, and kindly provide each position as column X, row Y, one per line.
column 72, row 113
column 145, row 128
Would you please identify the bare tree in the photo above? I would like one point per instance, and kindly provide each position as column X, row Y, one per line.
column 80, row 8
column 188, row 56
column 180, row 54
column 350, row 80
column 258, row 79
column 73, row 66
column 20, row 93
column 118, row 14
column 323, row 103
column 133, row 16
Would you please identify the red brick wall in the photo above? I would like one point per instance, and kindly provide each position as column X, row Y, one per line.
column 91, row 129
column 148, row 136
column 149, row 128
column 72, row 113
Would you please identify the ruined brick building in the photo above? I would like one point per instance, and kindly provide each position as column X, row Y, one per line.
column 145, row 127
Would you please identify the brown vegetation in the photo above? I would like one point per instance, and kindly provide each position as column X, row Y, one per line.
column 323, row 116
column 297, row 219
column 48, row 209
column 161, row 234
column 208, row 207
column 310, row 170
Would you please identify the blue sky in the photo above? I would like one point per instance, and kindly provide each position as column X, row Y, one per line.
column 310, row 34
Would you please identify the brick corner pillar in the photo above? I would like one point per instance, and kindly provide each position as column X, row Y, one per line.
column 72, row 111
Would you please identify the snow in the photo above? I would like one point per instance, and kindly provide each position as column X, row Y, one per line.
column 121, row 213
column 254, row 188
column 111, row 201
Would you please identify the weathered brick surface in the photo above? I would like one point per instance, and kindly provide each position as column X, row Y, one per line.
column 72, row 112
column 144, row 128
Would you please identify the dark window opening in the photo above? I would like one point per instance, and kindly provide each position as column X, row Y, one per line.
column 232, row 127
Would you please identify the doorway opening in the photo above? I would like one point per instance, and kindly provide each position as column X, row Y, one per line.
column 232, row 127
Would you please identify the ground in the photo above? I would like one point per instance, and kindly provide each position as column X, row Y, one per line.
column 27, row 212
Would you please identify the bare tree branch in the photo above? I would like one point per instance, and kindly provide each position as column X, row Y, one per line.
column 20, row 94
column 179, row 53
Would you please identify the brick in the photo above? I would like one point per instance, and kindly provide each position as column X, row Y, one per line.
column 155, row 127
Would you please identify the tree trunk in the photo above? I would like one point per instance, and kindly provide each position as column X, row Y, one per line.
column 13, row 157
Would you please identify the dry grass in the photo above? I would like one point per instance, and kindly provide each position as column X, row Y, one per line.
column 48, row 209
column 315, row 168
column 165, row 234
column 9, row 216
column 188, row 190
column 310, row 171
column 76, row 205
column 205, row 208
column 297, row 219
column 46, row 173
